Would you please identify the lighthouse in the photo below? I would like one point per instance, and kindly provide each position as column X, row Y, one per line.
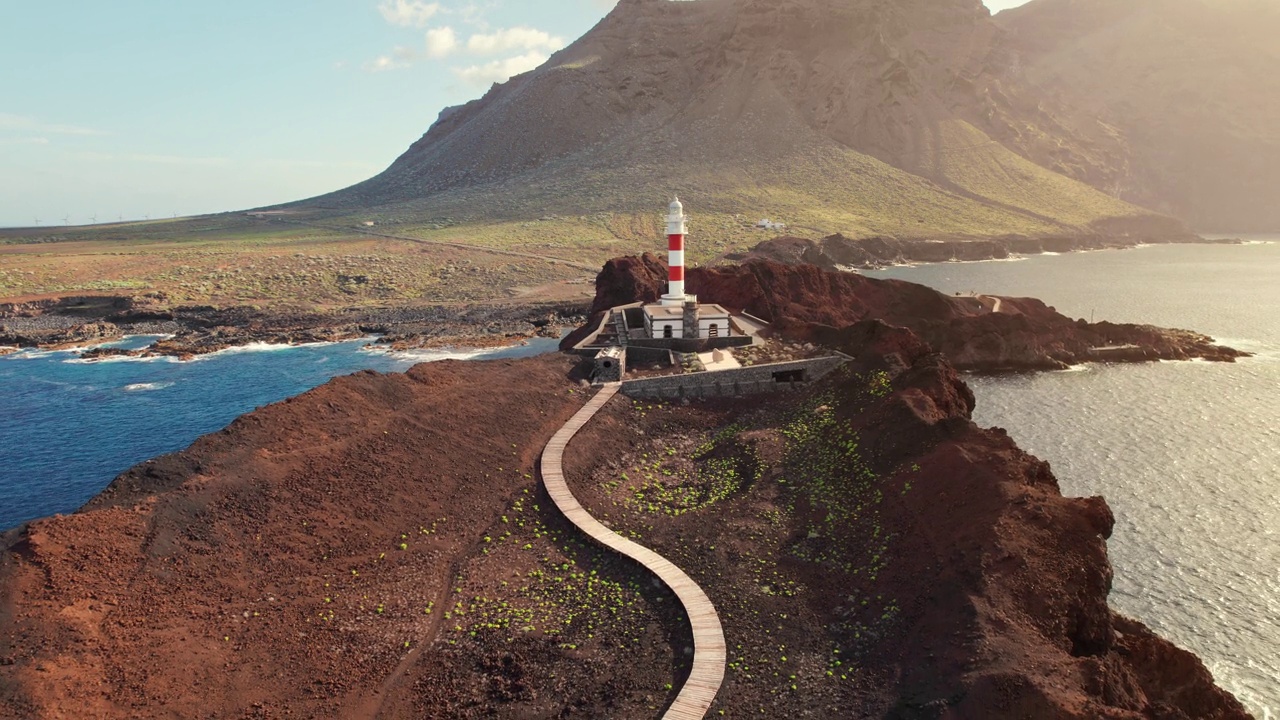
column 678, row 315
column 675, row 296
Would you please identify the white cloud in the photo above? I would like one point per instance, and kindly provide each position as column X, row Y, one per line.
column 397, row 60
column 516, row 38
column 408, row 13
column 9, row 121
column 501, row 70
column 441, row 42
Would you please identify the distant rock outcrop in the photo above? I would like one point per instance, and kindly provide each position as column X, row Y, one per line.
column 974, row 333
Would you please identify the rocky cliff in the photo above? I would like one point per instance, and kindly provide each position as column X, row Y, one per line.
column 380, row 547
column 974, row 332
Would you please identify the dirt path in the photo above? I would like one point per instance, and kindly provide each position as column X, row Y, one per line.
column 709, row 652
column 370, row 707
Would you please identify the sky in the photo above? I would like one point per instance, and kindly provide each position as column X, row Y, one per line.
column 132, row 109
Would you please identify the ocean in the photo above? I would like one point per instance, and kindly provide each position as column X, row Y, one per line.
column 1187, row 454
column 68, row 427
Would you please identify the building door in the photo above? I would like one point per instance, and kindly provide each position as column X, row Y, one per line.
column 668, row 331
column 713, row 331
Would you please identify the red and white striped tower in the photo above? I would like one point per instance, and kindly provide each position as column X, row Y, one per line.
column 675, row 259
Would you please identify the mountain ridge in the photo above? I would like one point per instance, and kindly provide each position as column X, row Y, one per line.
column 1186, row 94
column 865, row 118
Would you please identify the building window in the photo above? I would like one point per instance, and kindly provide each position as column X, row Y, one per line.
column 713, row 331
column 667, row 331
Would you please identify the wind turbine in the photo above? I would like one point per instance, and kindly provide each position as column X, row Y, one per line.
column 37, row 222
column 66, row 221
column 94, row 219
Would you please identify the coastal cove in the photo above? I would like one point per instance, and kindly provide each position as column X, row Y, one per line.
column 1187, row 454
column 70, row 426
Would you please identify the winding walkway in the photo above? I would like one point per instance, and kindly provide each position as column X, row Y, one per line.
column 700, row 689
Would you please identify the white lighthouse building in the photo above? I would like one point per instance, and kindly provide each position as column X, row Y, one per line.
column 678, row 315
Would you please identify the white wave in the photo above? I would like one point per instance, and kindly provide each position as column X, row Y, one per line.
column 1012, row 258
column 33, row 354
column 116, row 343
column 261, row 347
column 1244, row 238
column 1257, row 348
column 147, row 387
column 1247, row 344
column 431, row 354
column 1262, row 356
column 121, row 359
column 256, row 347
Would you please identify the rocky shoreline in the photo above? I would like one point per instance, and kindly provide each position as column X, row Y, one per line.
column 190, row 331
column 381, row 547
column 975, row 333
column 837, row 252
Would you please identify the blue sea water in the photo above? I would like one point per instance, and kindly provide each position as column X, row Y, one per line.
column 1187, row 454
column 68, row 427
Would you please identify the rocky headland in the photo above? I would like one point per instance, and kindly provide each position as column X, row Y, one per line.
column 976, row 333
column 381, row 547
column 837, row 252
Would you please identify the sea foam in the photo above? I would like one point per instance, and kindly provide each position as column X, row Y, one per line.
column 147, row 387
column 121, row 359
column 431, row 354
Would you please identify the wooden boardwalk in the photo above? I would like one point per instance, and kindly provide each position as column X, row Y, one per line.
column 700, row 689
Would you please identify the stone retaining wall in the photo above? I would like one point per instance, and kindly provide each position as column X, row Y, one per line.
column 775, row 377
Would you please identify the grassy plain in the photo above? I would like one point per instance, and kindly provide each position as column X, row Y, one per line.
column 238, row 260
column 545, row 235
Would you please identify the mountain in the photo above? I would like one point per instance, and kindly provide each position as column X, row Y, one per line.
column 865, row 117
column 1187, row 90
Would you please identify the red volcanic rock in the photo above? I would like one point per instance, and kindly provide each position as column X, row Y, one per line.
column 630, row 279
column 1008, row 580
column 999, row 583
column 345, row 554
column 974, row 333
